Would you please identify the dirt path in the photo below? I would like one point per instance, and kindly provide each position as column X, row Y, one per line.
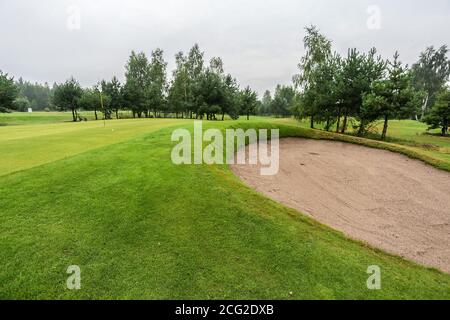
column 385, row 199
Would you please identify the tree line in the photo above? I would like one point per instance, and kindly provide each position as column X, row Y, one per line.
column 361, row 88
column 340, row 92
column 196, row 90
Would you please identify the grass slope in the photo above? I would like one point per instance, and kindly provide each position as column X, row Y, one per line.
column 141, row 227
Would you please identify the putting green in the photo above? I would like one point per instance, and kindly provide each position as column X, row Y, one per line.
column 23, row 147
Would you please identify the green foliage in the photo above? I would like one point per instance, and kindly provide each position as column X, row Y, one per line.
column 178, row 90
column 314, row 76
column 209, row 92
column 193, row 90
column 21, row 104
column 431, row 73
column 356, row 75
column 215, row 92
column 374, row 102
column 37, row 94
column 248, row 101
column 362, row 87
column 136, row 74
column 283, row 101
column 332, row 87
column 439, row 114
column 231, row 103
column 93, row 99
column 113, row 95
column 195, row 69
column 156, row 84
column 66, row 96
column 265, row 105
column 8, row 92
column 319, row 100
column 318, row 50
column 391, row 98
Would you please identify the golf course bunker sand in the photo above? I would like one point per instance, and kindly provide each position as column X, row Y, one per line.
column 383, row 198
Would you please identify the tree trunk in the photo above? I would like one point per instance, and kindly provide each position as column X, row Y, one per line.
column 444, row 127
column 361, row 128
column 338, row 123
column 344, row 124
column 95, row 112
column 312, row 122
column 424, row 107
column 223, row 116
column 117, row 114
column 73, row 115
column 248, row 115
column 385, row 127
column 327, row 125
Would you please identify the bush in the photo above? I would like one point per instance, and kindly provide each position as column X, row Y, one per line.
column 21, row 104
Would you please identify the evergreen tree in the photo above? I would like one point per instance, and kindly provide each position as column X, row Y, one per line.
column 439, row 115
column 8, row 92
column 66, row 96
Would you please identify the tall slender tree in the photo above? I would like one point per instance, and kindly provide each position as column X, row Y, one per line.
column 136, row 83
column 430, row 73
column 318, row 51
column 195, row 70
column 156, row 83
column 178, row 89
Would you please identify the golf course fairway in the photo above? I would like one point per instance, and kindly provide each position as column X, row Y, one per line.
column 140, row 227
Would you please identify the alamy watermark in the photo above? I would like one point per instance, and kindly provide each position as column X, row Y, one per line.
column 73, row 21
column 374, row 19
column 74, row 280
column 234, row 139
column 374, row 280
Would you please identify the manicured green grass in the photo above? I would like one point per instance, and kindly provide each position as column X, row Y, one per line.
column 142, row 227
column 40, row 117
column 27, row 146
column 23, row 118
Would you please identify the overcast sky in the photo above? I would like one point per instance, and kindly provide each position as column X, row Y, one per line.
column 259, row 41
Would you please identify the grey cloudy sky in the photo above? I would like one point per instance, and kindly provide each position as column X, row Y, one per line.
column 259, row 41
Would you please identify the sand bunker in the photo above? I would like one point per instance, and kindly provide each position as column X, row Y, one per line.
column 385, row 199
